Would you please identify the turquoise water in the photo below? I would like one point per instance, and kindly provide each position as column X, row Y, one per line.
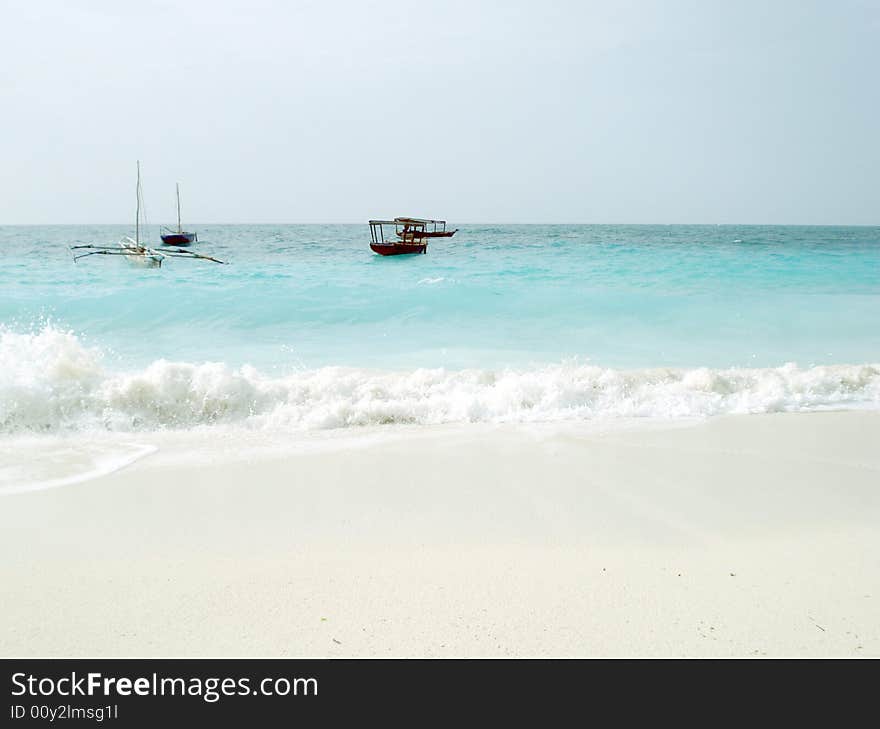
column 540, row 302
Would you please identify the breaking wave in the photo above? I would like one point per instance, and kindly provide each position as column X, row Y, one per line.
column 51, row 381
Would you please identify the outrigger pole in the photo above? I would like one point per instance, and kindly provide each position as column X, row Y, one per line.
column 117, row 251
column 166, row 252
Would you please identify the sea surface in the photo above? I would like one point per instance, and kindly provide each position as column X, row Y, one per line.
column 307, row 329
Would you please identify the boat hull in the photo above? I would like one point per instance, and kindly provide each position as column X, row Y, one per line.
column 140, row 257
column 179, row 239
column 436, row 234
column 397, row 249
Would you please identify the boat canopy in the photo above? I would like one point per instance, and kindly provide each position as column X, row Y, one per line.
column 414, row 230
column 436, row 225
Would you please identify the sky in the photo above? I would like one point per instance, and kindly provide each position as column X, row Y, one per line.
column 473, row 111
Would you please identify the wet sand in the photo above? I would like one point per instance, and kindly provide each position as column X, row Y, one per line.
column 747, row 535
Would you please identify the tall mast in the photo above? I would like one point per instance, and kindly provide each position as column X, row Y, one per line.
column 178, row 208
column 137, row 218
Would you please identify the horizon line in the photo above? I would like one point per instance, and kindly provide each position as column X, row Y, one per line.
column 483, row 223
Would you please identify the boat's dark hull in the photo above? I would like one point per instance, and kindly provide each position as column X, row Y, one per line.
column 179, row 239
column 436, row 234
column 397, row 249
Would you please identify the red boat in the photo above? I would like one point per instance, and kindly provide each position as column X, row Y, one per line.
column 396, row 249
column 431, row 228
column 412, row 240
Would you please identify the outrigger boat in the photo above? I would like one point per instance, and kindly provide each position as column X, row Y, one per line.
column 177, row 237
column 432, row 228
column 137, row 253
column 410, row 240
column 132, row 248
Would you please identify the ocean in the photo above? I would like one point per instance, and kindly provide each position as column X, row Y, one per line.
column 307, row 329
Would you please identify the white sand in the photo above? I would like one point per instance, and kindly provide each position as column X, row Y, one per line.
column 754, row 535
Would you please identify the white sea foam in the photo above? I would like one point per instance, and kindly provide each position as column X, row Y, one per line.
column 31, row 467
column 50, row 381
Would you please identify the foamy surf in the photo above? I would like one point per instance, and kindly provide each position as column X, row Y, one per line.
column 32, row 466
column 51, row 382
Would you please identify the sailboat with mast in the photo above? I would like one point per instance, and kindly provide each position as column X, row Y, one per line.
column 132, row 248
column 178, row 237
column 136, row 252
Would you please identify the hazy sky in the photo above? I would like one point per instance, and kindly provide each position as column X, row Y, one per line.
column 542, row 111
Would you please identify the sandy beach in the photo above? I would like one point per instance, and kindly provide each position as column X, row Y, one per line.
column 740, row 536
